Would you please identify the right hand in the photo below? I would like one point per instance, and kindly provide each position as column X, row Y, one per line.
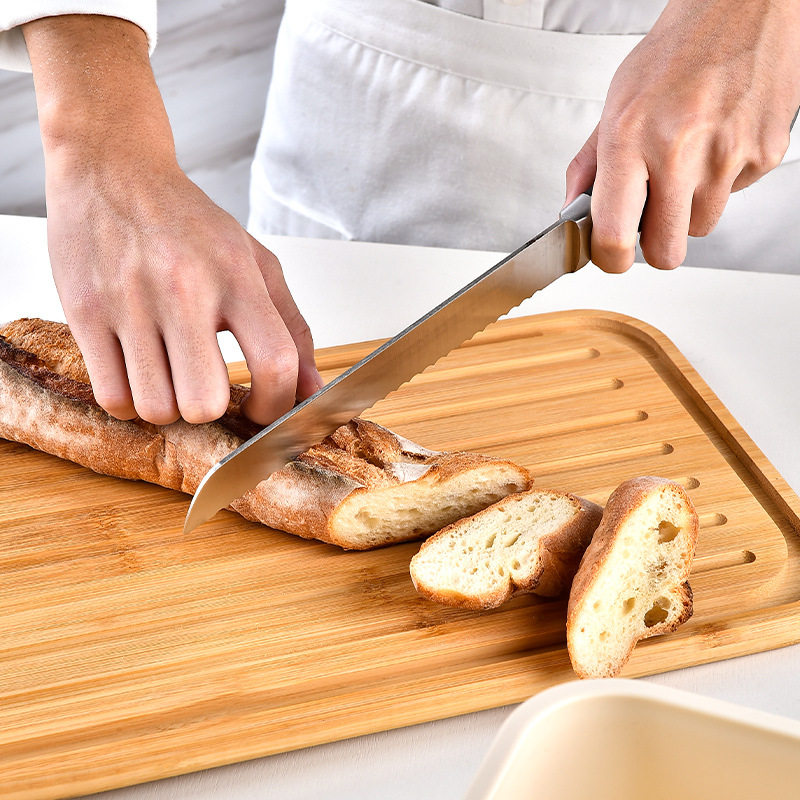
column 148, row 269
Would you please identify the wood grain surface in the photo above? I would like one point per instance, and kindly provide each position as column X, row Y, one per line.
column 130, row 652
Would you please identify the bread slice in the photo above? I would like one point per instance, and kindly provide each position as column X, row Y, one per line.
column 527, row 542
column 632, row 581
column 362, row 487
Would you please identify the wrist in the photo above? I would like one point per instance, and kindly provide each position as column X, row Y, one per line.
column 97, row 99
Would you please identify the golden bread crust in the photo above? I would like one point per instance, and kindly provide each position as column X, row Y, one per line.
column 46, row 402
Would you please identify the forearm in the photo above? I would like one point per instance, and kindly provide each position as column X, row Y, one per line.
column 97, row 98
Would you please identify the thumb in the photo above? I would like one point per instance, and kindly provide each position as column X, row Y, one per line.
column 582, row 169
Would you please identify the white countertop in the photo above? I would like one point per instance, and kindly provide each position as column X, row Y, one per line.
column 740, row 330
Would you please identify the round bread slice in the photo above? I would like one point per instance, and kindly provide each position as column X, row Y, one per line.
column 632, row 581
column 528, row 542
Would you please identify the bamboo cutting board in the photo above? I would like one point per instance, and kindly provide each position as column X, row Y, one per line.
column 129, row 652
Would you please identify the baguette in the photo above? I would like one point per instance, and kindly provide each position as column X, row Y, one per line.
column 362, row 487
column 632, row 582
column 527, row 542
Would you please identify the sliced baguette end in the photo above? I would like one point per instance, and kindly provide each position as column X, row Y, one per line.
column 632, row 582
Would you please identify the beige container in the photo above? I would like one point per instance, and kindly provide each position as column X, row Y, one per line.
column 632, row 740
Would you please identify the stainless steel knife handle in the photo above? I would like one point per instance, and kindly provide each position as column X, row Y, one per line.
column 579, row 211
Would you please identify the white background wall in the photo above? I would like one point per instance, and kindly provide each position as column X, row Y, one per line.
column 213, row 64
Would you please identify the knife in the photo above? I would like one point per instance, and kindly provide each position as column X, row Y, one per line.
column 561, row 248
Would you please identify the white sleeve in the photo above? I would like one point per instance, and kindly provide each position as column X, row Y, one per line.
column 14, row 13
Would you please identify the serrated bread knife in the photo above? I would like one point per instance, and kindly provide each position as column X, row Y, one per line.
column 559, row 249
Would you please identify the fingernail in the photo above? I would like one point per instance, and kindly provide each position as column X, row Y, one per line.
column 318, row 379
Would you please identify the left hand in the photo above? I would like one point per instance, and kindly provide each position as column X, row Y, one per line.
column 702, row 107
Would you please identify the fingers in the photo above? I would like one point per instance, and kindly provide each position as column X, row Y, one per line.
column 668, row 198
column 198, row 372
column 308, row 378
column 618, row 198
column 708, row 203
column 105, row 364
column 271, row 357
column 148, row 373
column 666, row 221
column 582, row 169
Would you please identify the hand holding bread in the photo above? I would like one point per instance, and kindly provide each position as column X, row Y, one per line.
column 361, row 487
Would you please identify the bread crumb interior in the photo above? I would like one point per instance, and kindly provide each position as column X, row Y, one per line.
column 411, row 510
column 640, row 585
column 496, row 551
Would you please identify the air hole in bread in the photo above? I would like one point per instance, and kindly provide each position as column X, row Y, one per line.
column 515, row 564
column 490, row 541
column 667, row 531
column 596, row 605
column 629, row 605
column 501, row 571
column 658, row 613
column 510, row 542
column 368, row 520
column 603, row 636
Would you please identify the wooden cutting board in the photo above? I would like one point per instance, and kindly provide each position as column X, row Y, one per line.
column 130, row 652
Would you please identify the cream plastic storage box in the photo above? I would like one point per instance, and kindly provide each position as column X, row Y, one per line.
column 618, row 739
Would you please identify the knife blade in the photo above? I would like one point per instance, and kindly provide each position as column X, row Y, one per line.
column 561, row 248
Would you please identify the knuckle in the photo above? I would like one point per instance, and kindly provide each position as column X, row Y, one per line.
column 579, row 164
column 278, row 364
column 612, row 241
column 772, row 152
column 200, row 410
column 284, row 362
column 619, row 124
column 666, row 256
column 610, row 265
column 706, row 216
column 207, row 406
column 269, row 260
column 702, row 227
column 114, row 403
column 574, row 168
column 727, row 156
column 156, row 410
column 232, row 252
column 178, row 283
column 84, row 305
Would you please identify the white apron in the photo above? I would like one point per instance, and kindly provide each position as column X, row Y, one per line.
column 399, row 121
